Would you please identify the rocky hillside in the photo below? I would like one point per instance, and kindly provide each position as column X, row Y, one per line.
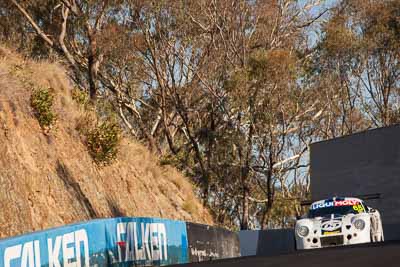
column 50, row 179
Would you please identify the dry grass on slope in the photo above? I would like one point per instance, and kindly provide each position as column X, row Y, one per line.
column 49, row 180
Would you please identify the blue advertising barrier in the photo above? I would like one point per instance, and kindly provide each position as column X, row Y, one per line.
column 103, row 242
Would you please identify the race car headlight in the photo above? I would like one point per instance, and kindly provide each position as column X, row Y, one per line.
column 302, row 231
column 359, row 224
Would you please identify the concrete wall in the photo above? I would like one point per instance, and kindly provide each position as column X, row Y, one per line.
column 248, row 242
column 267, row 242
column 211, row 243
column 364, row 163
column 276, row 242
column 120, row 242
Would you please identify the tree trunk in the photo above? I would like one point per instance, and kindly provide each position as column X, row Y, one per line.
column 93, row 65
column 245, row 220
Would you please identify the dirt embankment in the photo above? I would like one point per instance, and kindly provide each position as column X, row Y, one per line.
column 51, row 180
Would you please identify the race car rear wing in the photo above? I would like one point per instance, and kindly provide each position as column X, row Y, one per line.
column 363, row 197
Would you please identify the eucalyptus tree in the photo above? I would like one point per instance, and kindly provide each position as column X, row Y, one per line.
column 214, row 87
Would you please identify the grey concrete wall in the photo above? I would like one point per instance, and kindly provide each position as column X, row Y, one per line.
column 276, row 242
column 267, row 242
column 364, row 163
column 210, row 243
column 248, row 242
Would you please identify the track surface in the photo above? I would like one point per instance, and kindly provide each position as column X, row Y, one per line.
column 379, row 255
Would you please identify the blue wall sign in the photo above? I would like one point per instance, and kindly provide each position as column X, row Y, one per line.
column 104, row 242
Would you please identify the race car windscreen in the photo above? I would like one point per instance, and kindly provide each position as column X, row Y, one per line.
column 335, row 207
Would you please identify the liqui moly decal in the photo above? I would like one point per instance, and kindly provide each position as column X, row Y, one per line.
column 321, row 205
column 67, row 250
column 336, row 203
column 347, row 202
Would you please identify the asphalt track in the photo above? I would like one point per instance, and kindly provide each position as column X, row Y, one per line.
column 380, row 255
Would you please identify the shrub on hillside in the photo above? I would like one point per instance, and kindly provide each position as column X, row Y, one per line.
column 80, row 97
column 102, row 142
column 42, row 102
column 179, row 161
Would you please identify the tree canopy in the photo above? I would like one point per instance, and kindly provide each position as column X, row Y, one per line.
column 230, row 92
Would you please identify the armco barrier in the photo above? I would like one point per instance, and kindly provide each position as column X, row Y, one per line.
column 209, row 243
column 104, row 242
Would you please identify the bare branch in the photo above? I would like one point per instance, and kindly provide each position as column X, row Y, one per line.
column 33, row 23
column 61, row 38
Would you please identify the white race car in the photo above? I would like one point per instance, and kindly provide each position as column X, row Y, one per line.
column 338, row 221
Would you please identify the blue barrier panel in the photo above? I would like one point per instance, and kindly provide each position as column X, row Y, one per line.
column 105, row 242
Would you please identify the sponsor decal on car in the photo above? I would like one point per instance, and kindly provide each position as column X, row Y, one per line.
column 322, row 205
column 348, row 202
column 330, row 233
column 359, row 208
column 338, row 203
column 331, row 225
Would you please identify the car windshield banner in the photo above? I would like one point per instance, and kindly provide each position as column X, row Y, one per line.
column 334, row 203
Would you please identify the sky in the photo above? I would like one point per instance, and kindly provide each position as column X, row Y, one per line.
column 314, row 31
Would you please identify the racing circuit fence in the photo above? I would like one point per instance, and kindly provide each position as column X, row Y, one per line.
column 113, row 242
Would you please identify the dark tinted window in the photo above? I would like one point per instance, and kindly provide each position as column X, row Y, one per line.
column 339, row 210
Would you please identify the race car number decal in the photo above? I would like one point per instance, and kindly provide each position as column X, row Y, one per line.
column 359, row 208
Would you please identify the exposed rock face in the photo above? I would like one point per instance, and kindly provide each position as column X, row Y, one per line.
column 50, row 179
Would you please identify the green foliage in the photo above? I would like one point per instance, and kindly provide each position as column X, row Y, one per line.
column 98, row 124
column 42, row 102
column 80, row 97
column 180, row 161
column 274, row 65
column 258, row 64
column 339, row 41
column 103, row 142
